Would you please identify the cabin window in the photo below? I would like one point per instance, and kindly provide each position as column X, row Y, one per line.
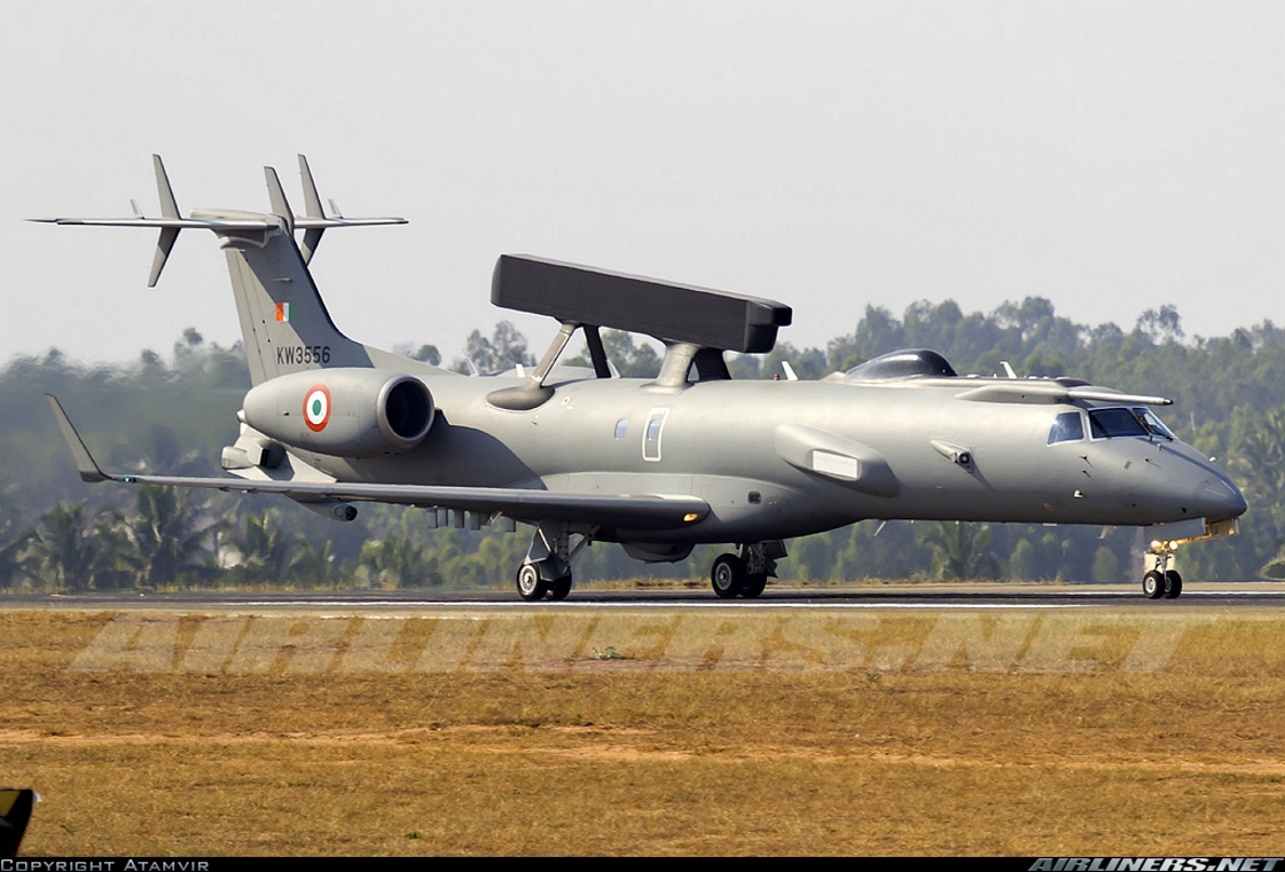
column 1067, row 427
column 1115, row 423
column 622, row 427
column 652, row 434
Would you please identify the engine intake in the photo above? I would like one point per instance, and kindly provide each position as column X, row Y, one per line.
column 345, row 412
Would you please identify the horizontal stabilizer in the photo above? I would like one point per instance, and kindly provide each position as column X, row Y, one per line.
column 630, row 512
column 228, row 221
column 314, row 221
column 249, row 222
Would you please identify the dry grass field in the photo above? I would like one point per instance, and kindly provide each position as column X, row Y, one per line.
column 595, row 756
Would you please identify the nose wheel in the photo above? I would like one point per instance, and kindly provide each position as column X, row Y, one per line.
column 1162, row 582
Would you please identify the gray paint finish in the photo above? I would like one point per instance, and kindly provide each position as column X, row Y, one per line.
column 750, row 463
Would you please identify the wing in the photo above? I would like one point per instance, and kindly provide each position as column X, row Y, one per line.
column 629, row 512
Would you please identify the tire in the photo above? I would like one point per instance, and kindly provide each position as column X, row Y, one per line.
column 728, row 576
column 559, row 589
column 1153, row 585
column 1173, row 584
column 530, row 585
column 754, row 585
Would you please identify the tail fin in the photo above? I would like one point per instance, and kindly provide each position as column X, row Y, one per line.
column 284, row 323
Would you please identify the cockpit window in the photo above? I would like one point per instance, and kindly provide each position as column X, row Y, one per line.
column 1154, row 424
column 1115, row 423
column 1067, row 427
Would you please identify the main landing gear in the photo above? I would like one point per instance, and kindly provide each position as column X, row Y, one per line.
column 532, row 587
column 546, row 571
column 1162, row 582
column 746, row 574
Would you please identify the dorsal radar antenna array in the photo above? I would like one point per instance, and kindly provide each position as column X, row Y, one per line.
column 314, row 222
column 697, row 325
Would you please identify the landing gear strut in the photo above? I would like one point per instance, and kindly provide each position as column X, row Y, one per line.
column 1162, row 582
column 746, row 574
column 546, row 571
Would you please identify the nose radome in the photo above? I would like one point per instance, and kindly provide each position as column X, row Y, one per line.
column 1218, row 500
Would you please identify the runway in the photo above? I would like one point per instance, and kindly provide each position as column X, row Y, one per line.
column 1236, row 596
column 873, row 628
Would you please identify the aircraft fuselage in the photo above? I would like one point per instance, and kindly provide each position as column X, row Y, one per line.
column 760, row 472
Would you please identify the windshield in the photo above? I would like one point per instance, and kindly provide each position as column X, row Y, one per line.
column 1115, row 423
column 1067, row 427
column 1154, row 424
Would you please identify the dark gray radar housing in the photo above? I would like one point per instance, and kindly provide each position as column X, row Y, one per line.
column 696, row 324
column 669, row 312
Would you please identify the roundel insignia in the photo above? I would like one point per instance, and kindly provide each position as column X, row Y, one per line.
column 316, row 408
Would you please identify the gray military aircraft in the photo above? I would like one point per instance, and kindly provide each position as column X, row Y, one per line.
column 660, row 465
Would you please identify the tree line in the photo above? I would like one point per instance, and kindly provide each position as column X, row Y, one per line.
column 174, row 414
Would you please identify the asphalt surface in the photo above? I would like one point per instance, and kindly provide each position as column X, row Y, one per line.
column 1248, row 595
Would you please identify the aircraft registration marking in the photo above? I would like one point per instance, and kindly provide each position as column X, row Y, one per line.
column 296, row 354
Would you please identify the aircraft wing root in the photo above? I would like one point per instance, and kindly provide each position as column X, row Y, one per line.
column 626, row 511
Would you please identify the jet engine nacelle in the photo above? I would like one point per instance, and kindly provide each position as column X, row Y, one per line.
column 345, row 412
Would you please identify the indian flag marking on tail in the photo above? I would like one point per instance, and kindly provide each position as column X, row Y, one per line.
column 316, row 408
column 284, row 311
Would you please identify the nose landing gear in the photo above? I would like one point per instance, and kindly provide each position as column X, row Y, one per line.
column 1162, row 582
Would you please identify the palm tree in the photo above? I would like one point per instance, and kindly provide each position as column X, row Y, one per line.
column 268, row 553
column 61, row 551
column 959, row 550
column 171, row 533
column 14, row 536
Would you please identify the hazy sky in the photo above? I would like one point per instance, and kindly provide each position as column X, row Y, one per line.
column 1112, row 157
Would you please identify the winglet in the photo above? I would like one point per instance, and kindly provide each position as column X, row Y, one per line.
column 280, row 205
column 311, row 200
column 169, row 206
column 169, row 209
column 85, row 464
column 312, row 209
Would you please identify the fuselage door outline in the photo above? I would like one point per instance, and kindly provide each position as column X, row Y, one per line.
column 651, row 434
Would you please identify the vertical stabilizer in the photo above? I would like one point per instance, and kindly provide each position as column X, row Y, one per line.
column 284, row 322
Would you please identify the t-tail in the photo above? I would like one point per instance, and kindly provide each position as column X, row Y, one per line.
column 284, row 322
